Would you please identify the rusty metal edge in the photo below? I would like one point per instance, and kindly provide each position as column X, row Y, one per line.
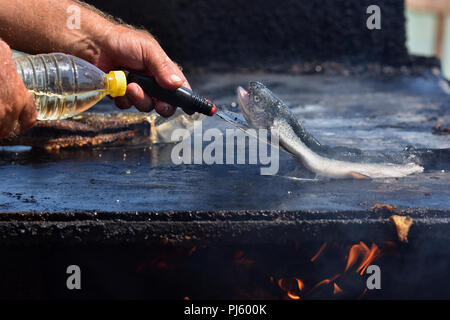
column 207, row 228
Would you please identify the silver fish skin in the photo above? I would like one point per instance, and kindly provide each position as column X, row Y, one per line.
column 263, row 110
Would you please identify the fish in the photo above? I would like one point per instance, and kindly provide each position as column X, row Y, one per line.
column 262, row 109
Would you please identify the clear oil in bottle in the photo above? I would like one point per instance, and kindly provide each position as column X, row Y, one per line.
column 63, row 85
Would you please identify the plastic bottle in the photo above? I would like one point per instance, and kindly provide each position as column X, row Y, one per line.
column 63, row 85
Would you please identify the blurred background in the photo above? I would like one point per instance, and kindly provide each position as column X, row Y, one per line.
column 428, row 30
column 254, row 34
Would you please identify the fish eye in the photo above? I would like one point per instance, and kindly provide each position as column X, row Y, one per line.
column 256, row 99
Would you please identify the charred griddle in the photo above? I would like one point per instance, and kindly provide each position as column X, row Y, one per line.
column 87, row 130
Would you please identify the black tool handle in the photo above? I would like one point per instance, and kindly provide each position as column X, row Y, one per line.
column 181, row 97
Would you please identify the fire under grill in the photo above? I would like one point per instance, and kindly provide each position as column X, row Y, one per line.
column 105, row 197
column 225, row 255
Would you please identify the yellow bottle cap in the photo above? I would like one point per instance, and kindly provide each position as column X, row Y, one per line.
column 117, row 83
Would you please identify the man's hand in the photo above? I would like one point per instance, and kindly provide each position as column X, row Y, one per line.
column 17, row 108
column 126, row 48
column 99, row 40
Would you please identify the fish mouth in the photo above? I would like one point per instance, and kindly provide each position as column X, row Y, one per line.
column 243, row 100
column 242, row 96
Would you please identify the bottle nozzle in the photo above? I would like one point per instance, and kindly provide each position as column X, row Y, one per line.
column 117, row 83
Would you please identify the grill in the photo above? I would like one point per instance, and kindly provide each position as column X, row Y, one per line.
column 224, row 231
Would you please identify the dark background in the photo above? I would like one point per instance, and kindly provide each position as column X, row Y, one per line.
column 239, row 34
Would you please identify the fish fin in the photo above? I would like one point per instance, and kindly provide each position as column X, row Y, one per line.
column 357, row 175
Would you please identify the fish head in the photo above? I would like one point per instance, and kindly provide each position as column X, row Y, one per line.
column 258, row 105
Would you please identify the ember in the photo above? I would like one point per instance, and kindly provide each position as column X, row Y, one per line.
column 382, row 207
column 439, row 130
column 402, row 224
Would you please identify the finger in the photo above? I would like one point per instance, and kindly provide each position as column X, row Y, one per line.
column 17, row 129
column 9, row 121
column 122, row 102
column 165, row 71
column 138, row 98
column 7, row 127
column 5, row 131
column 186, row 84
column 164, row 109
column 27, row 117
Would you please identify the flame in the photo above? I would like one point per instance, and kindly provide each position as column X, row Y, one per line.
column 186, row 298
column 363, row 294
column 355, row 252
column 239, row 258
column 372, row 255
column 300, row 284
column 192, row 250
column 359, row 257
column 319, row 252
column 336, row 289
column 290, row 285
column 293, row 296
column 326, row 281
column 361, row 251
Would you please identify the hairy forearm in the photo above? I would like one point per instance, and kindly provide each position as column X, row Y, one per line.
column 37, row 26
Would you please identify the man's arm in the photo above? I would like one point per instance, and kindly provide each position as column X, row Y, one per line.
column 37, row 26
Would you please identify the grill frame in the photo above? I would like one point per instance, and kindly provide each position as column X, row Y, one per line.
column 192, row 228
